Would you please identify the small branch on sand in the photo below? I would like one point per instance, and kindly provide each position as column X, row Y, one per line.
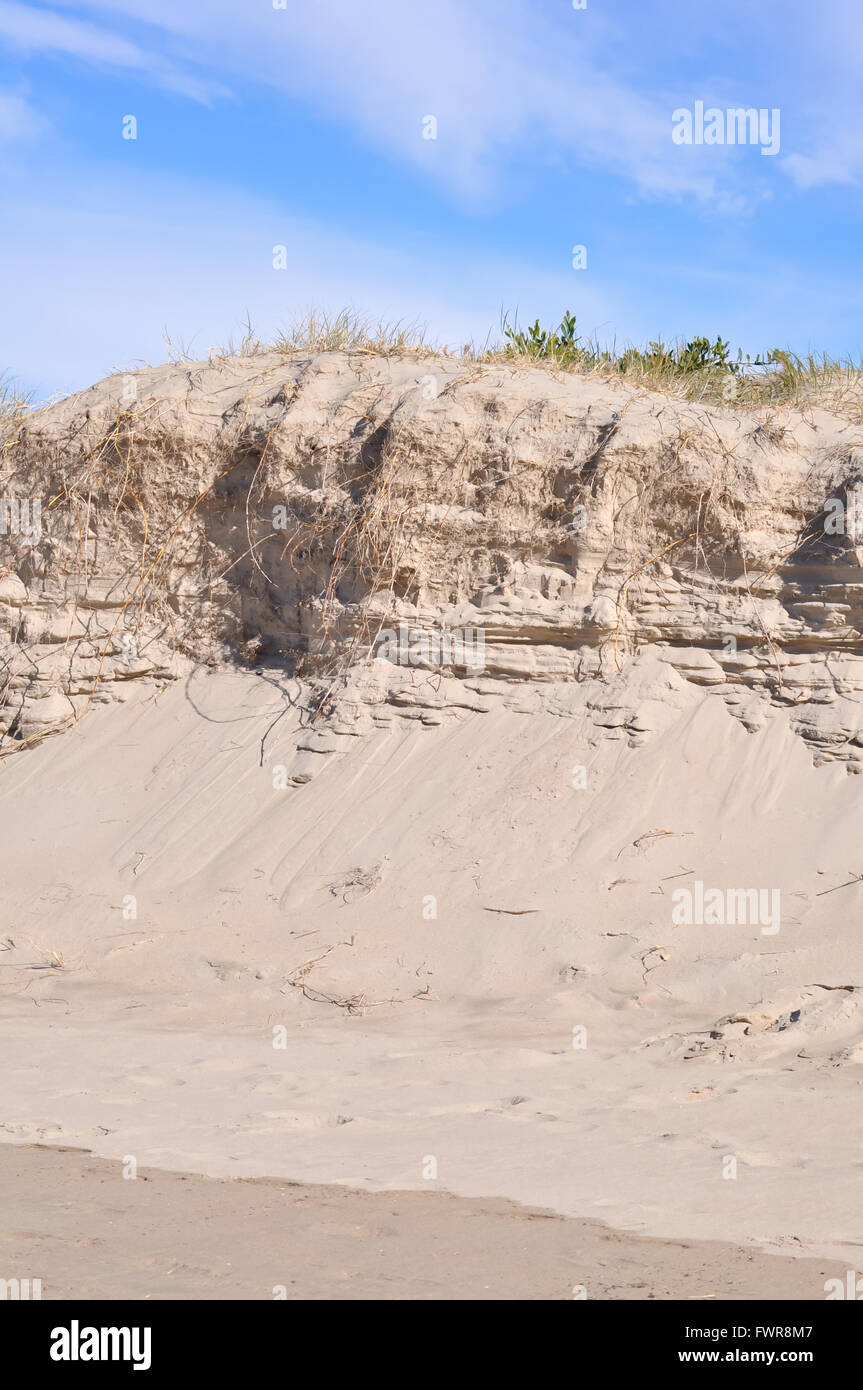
column 512, row 911
column 858, row 878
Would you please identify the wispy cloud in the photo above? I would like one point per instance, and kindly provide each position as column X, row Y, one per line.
column 812, row 62
column 19, row 119
column 506, row 80
column 37, row 30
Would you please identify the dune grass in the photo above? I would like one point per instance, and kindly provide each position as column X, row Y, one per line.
column 699, row 368
column 346, row 331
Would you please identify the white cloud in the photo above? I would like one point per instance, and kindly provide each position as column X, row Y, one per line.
column 830, row 165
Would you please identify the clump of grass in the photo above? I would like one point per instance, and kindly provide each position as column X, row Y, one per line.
column 351, row 332
column 317, row 331
column 14, row 403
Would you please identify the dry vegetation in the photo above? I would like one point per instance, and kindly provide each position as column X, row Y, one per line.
column 14, row 405
column 694, row 370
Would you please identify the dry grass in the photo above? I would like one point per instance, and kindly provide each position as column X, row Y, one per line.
column 788, row 380
column 346, row 331
column 14, row 405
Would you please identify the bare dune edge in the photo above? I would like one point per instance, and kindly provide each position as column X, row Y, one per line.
column 276, row 907
column 92, row 1235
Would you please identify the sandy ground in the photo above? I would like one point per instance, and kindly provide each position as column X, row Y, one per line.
column 281, row 1005
column 74, row 1222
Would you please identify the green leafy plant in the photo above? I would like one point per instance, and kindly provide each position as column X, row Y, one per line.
column 698, row 355
column 561, row 344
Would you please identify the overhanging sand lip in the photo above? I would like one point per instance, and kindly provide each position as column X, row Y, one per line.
column 87, row 1233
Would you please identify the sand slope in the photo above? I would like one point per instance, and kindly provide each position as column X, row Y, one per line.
column 154, row 1037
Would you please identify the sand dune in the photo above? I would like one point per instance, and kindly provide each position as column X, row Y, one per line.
column 395, row 927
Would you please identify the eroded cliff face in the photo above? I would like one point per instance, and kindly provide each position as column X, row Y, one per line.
column 416, row 537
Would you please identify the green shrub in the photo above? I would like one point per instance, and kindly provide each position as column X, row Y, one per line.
column 562, row 344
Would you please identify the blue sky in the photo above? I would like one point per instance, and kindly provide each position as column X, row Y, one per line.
column 302, row 126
